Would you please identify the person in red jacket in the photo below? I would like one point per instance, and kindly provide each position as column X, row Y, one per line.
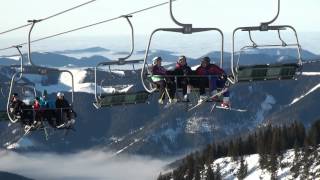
column 36, row 109
column 216, row 80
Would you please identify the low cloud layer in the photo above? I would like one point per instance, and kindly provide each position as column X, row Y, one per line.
column 93, row 165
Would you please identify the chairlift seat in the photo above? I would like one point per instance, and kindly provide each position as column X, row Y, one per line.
column 118, row 99
column 267, row 72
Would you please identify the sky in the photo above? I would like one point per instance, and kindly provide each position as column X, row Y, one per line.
column 226, row 15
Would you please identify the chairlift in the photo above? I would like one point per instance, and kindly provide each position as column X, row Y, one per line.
column 32, row 69
column 184, row 29
column 262, row 71
column 119, row 98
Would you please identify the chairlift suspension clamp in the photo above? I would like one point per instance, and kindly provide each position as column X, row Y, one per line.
column 187, row 29
column 264, row 26
column 121, row 61
column 34, row 21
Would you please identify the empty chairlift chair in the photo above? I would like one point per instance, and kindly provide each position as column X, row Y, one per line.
column 265, row 71
column 119, row 98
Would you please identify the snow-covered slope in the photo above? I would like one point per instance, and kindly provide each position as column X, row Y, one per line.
column 229, row 167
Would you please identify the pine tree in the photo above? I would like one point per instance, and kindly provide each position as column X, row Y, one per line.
column 190, row 167
column 197, row 173
column 306, row 162
column 295, row 169
column 263, row 160
column 218, row 173
column 243, row 170
column 210, row 174
column 273, row 166
column 314, row 134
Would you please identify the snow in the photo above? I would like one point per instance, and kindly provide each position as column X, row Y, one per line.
column 266, row 106
column 171, row 134
column 229, row 168
column 131, row 144
column 23, row 143
column 304, row 95
column 79, row 75
column 310, row 73
column 198, row 125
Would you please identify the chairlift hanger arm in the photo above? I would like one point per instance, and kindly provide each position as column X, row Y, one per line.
column 21, row 59
column 29, row 39
column 132, row 38
column 274, row 19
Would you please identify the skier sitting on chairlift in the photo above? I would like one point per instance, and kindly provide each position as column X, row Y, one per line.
column 47, row 109
column 164, row 84
column 217, row 80
column 37, row 113
column 182, row 68
column 63, row 111
column 16, row 106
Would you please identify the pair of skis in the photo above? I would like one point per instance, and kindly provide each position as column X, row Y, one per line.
column 215, row 106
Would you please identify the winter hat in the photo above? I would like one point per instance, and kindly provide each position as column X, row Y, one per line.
column 206, row 59
column 44, row 93
column 15, row 95
column 60, row 94
column 181, row 58
column 155, row 59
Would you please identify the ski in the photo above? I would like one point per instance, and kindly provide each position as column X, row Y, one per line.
column 231, row 109
column 208, row 98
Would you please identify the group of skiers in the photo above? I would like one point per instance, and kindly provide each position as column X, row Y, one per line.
column 58, row 113
column 206, row 75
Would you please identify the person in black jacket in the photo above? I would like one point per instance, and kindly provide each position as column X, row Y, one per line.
column 62, row 109
column 182, row 69
column 16, row 106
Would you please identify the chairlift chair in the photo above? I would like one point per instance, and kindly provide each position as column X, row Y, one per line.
column 119, row 98
column 184, row 29
column 270, row 71
column 32, row 69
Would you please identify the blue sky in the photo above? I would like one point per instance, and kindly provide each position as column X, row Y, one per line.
column 226, row 14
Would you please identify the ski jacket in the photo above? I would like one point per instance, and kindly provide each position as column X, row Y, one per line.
column 156, row 71
column 211, row 69
column 62, row 103
column 36, row 106
column 182, row 70
column 44, row 103
column 16, row 105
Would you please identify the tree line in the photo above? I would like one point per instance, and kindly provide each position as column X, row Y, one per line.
column 270, row 142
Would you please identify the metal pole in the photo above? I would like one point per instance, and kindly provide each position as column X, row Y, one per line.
column 21, row 59
column 254, row 44
column 173, row 18
column 9, row 98
column 282, row 41
column 132, row 40
column 29, row 41
column 275, row 18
